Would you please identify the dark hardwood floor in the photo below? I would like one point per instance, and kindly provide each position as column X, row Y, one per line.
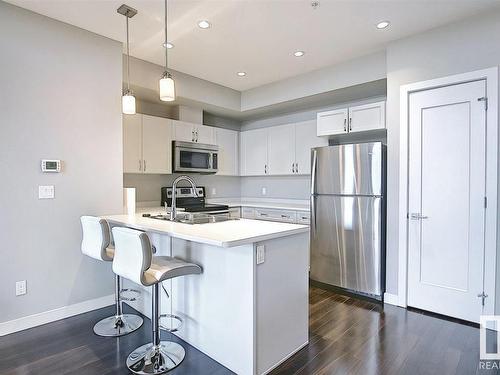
column 353, row 336
column 347, row 336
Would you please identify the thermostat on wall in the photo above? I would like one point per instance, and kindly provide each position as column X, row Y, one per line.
column 51, row 166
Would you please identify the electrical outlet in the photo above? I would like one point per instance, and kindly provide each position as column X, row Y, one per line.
column 20, row 287
column 46, row 192
column 214, row 191
column 261, row 254
column 264, row 191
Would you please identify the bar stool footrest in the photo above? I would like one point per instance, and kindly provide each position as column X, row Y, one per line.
column 134, row 294
column 171, row 317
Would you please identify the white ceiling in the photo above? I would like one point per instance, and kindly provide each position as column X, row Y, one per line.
column 258, row 36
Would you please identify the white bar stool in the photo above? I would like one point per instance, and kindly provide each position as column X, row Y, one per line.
column 96, row 244
column 134, row 260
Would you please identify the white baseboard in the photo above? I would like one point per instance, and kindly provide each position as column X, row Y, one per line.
column 287, row 357
column 45, row 317
column 391, row 299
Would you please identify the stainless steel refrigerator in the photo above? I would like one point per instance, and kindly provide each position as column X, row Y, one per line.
column 348, row 217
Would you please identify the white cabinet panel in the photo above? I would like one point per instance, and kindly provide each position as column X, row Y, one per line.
column 305, row 140
column 183, row 131
column 248, row 212
column 234, row 212
column 156, row 145
column 284, row 216
column 281, row 150
column 132, row 143
column 332, row 122
column 254, row 152
column 228, row 142
column 204, row 134
column 367, row 117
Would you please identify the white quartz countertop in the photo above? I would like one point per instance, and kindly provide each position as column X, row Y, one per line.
column 224, row 234
column 277, row 204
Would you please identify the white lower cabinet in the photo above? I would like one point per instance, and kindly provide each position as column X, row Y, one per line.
column 283, row 216
column 234, row 212
column 147, row 144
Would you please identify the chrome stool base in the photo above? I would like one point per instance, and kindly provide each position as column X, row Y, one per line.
column 115, row 326
column 148, row 360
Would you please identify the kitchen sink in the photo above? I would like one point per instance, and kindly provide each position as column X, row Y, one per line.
column 193, row 218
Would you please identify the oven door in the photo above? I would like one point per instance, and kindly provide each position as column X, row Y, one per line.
column 194, row 159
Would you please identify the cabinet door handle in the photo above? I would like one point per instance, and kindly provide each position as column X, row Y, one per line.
column 345, row 124
column 140, row 165
column 197, row 136
column 265, row 168
column 296, row 167
column 285, row 216
column 144, row 165
column 350, row 123
column 293, row 167
column 192, row 136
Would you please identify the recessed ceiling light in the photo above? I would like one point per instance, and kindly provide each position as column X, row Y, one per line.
column 241, row 74
column 383, row 25
column 168, row 45
column 204, row 24
column 299, row 53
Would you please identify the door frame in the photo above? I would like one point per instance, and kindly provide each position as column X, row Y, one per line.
column 490, row 75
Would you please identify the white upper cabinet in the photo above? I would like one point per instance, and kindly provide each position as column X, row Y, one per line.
column 156, row 145
column 188, row 132
column 253, row 152
column 332, row 122
column 367, row 117
column 228, row 142
column 147, row 144
column 305, row 140
column 205, row 134
column 281, row 150
column 349, row 120
column 132, row 143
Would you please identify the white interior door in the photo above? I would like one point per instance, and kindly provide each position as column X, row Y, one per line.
column 157, row 145
column 132, row 143
column 281, row 150
column 446, row 200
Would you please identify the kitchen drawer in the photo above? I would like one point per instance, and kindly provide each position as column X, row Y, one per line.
column 303, row 217
column 248, row 212
column 234, row 212
column 275, row 215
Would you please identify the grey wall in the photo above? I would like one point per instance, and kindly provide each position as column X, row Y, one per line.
column 457, row 48
column 148, row 186
column 357, row 71
column 59, row 98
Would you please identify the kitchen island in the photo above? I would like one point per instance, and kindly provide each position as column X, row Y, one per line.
column 248, row 312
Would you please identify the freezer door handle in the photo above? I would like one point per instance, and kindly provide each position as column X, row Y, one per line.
column 313, row 170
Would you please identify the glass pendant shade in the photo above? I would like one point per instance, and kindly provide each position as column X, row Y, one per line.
column 167, row 88
column 128, row 103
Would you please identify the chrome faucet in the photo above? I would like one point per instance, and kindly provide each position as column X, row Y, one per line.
column 173, row 211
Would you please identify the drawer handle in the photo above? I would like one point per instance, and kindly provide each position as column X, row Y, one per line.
column 285, row 216
column 262, row 214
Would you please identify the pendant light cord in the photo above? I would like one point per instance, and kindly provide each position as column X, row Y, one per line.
column 166, row 36
column 128, row 61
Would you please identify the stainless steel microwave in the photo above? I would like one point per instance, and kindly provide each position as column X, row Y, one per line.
column 195, row 157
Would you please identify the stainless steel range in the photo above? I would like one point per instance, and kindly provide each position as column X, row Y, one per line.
column 188, row 201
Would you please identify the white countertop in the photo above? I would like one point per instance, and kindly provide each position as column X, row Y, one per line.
column 225, row 234
column 278, row 204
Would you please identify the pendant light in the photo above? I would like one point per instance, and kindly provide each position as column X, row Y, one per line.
column 128, row 98
column 167, row 84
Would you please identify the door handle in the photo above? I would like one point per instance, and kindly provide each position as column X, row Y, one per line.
column 196, row 133
column 345, row 124
column 293, row 167
column 418, row 216
column 296, row 167
column 350, row 123
column 192, row 136
column 140, row 165
column 144, row 165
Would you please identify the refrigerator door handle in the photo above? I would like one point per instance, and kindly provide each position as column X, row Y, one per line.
column 313, row 214
column 313, row 170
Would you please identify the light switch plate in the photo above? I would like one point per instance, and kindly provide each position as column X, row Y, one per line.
column 214, row 191
column 261, row 254
column 20, row 287
column 46, row 192
column 264, row 191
